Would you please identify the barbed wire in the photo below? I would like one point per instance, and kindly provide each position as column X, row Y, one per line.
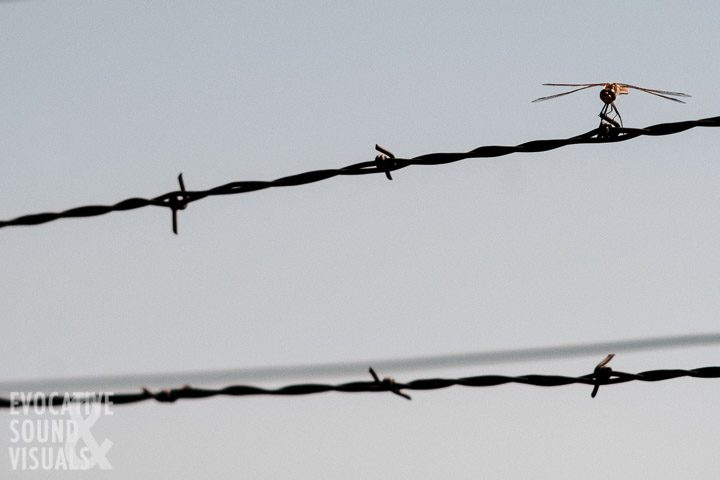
column 602, row 375
column 384, row 163
column 119, row 382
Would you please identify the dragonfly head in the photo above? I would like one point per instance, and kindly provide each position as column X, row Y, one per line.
column 610, row 92
column 607, row 94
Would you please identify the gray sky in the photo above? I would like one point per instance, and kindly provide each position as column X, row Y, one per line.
column 106, row 100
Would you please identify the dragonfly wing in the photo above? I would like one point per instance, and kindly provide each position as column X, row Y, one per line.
column 573, row 84
column 541, row 99
column 660, row 93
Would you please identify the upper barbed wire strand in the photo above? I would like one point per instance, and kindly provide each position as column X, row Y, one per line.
column 169, row 200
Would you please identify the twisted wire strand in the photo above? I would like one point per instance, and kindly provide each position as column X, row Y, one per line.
column 119, row 382
column 384, row 164
column 600, row 377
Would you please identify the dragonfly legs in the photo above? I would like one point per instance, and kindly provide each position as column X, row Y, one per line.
column 610, row 118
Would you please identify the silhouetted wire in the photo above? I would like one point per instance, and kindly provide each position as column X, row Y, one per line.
column 336, row 369
column 602, row 375
column 384, row 164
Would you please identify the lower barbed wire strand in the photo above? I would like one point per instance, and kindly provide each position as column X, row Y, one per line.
column 612, row 377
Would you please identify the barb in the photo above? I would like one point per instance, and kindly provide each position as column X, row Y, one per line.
column 602, row 372
column 384, row 161
column 601, row 376
column 384, row 164
column 178, row 202
column 388, row 381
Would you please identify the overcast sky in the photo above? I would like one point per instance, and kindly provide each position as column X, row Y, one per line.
column 105, row 100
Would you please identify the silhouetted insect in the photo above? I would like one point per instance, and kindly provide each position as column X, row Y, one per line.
column 608, row 95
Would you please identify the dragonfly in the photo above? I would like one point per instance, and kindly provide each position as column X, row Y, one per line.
column 610, row 115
